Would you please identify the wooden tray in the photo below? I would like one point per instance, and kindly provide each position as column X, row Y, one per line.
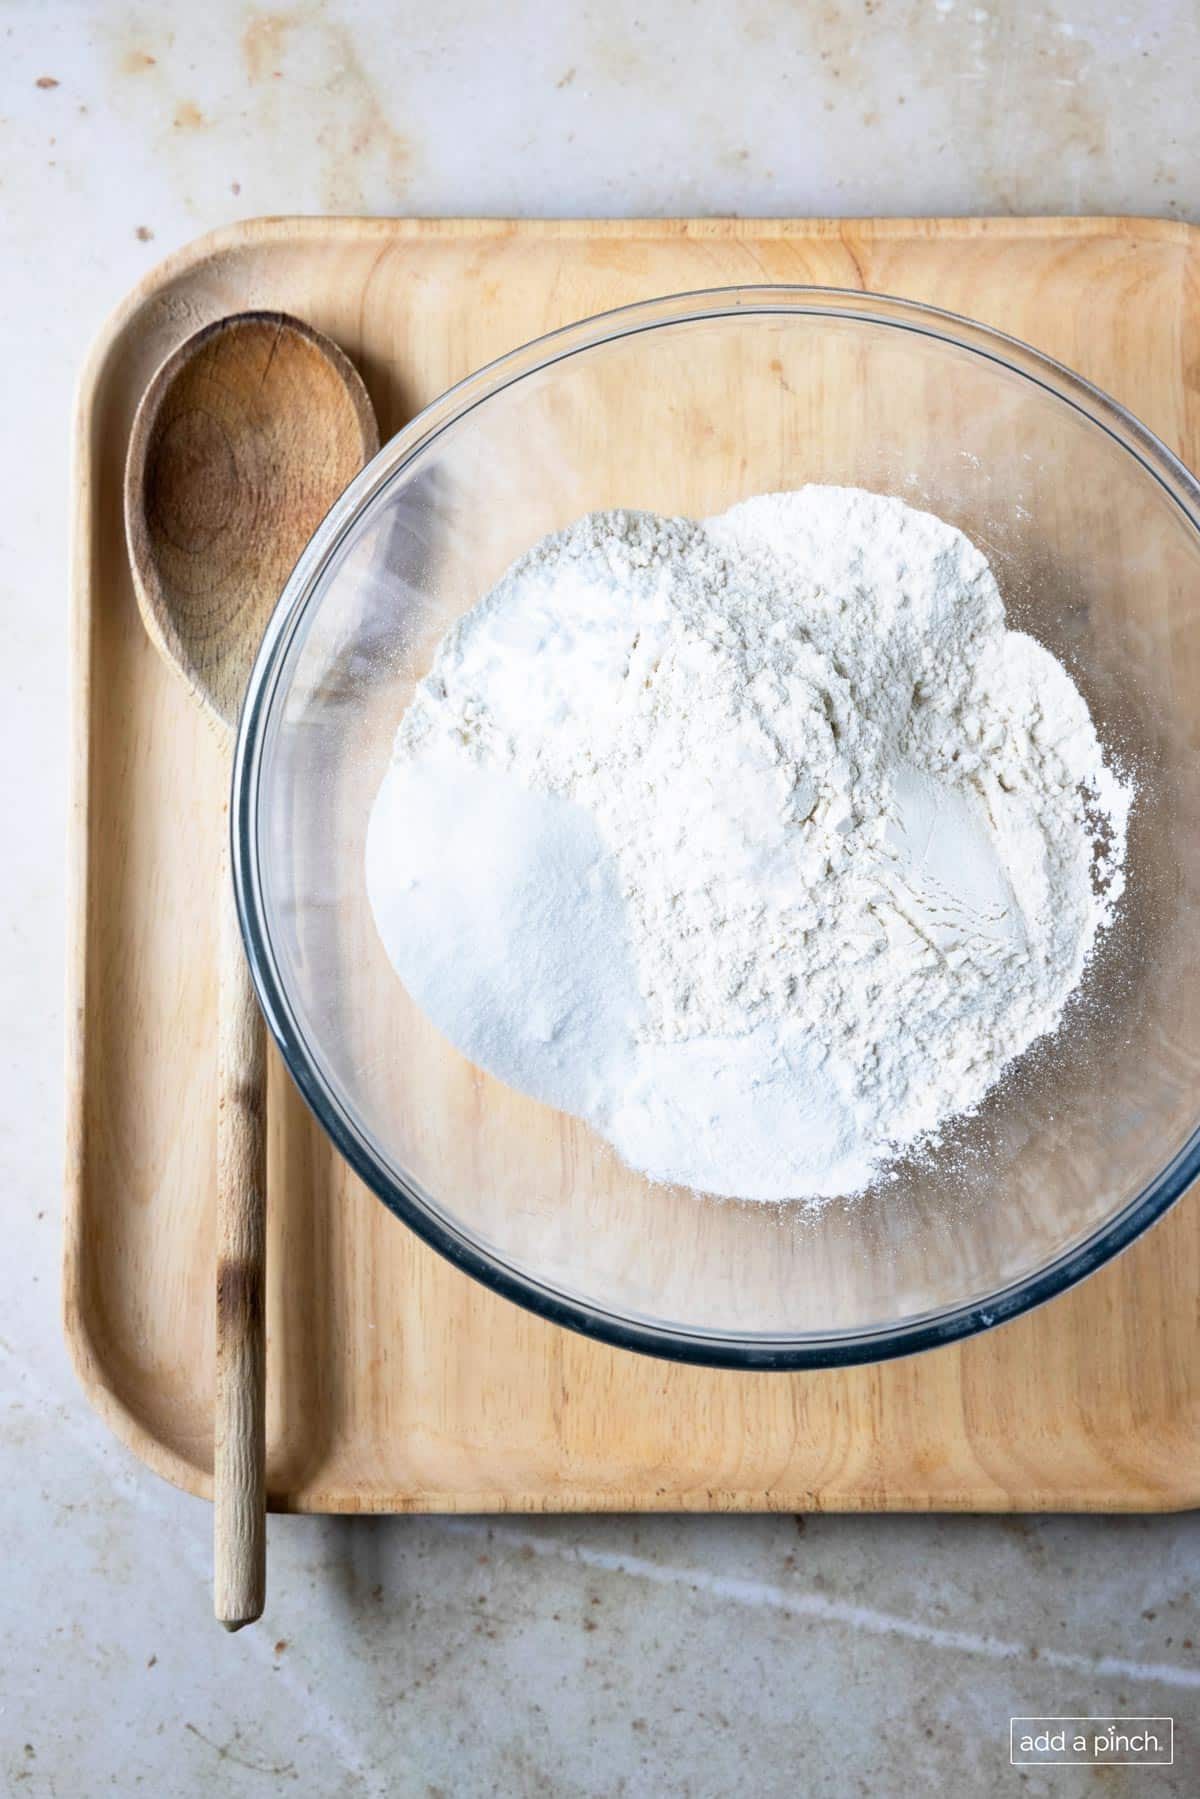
column 396, row 1383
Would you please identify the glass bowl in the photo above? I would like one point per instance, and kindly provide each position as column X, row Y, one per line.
column 686, row 405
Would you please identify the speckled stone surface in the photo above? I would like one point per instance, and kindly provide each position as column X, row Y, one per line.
column 826, row 1656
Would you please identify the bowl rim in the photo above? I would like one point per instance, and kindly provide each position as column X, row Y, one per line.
column 707, row 1347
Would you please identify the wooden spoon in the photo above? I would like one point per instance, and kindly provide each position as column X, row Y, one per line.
column 242, row 441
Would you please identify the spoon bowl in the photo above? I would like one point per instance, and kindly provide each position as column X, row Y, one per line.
column 246, row 435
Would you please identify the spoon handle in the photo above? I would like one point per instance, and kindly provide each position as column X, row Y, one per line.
column 239, row 1450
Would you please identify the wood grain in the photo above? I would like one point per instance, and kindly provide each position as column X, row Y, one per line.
column 398, row 1384
column 239, row 1527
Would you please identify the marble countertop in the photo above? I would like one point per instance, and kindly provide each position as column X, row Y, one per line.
column 700, row 1656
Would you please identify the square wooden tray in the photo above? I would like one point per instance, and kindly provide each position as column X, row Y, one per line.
column 397, row 1384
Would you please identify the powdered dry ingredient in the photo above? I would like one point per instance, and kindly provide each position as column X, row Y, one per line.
column 759, row 842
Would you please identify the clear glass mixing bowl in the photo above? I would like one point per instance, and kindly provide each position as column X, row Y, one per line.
column 686, row 405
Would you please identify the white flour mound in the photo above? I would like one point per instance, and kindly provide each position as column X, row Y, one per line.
column 759, row 842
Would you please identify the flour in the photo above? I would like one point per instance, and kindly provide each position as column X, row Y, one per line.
column 758, row 842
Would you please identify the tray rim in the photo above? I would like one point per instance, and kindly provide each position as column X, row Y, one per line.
column 223, row 241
